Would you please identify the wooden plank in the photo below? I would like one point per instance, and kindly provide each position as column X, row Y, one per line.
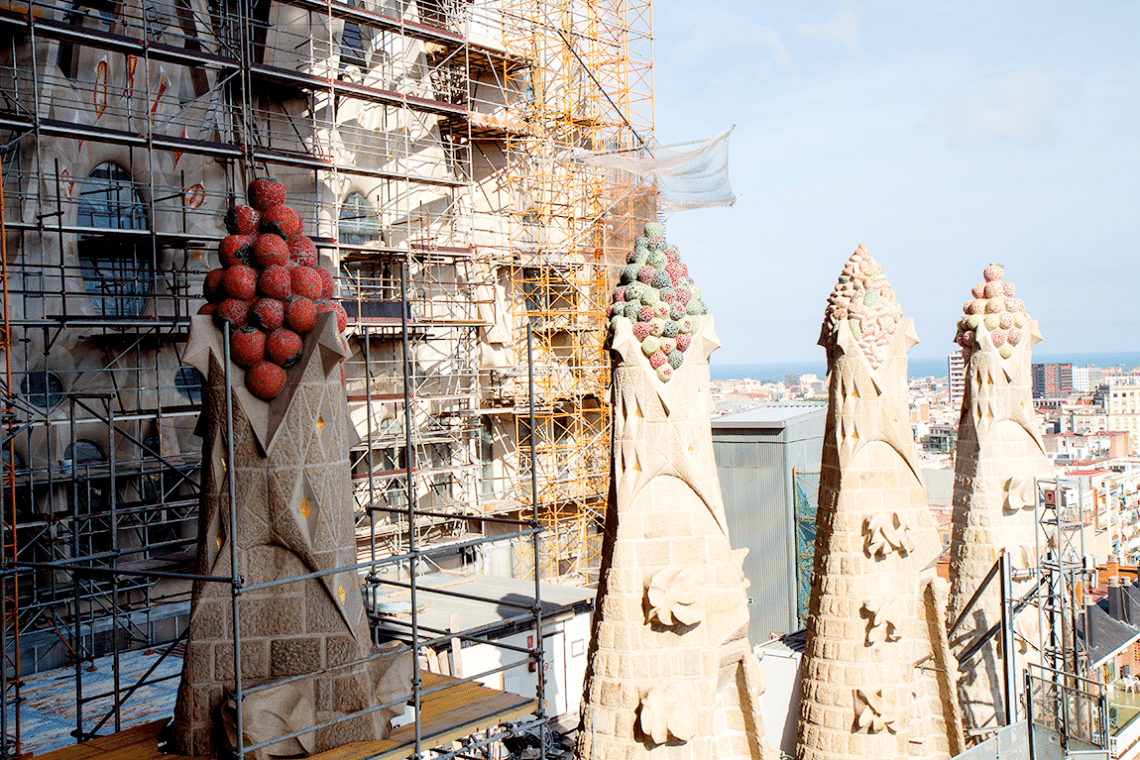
column 124, row 743
column 445, row 716
column 457, row 711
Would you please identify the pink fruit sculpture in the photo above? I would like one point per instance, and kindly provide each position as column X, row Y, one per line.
column 1001, row 315
column 863, row 302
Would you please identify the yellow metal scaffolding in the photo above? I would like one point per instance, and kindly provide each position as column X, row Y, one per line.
column 588, row 87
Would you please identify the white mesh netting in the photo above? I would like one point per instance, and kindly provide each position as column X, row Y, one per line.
column 686, row 179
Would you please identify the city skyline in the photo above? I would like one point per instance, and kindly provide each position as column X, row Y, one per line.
column 942, row 138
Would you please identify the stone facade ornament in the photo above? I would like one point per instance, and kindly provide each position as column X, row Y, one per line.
column 676, row 596
column 886, row 616
column 875, row 713
column 1000, row 451
column 667, row 713
column 877, row 673
column 671, row 673
column 886, row 532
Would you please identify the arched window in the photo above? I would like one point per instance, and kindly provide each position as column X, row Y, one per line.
column 188, row 381
column 358, row 222
column 83, row 453
column 117, row 273
column 85, row 462
column 359, row 225
column 42, row 389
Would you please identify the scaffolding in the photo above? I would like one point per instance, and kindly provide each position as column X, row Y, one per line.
column 587, row 86
column 427, row 177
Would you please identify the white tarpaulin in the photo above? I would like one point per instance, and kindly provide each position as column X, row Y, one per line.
column 686, row 179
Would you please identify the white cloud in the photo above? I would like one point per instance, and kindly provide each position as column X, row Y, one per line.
column 733, row 36
column 841, row 29
column 1018, row 106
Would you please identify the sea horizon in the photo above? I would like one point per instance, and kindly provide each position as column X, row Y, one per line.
column 917, row 367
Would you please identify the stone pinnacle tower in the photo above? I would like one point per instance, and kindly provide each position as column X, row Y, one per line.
column 878, row 678
column 999, row 453
column 294, row 521
column 671, row 674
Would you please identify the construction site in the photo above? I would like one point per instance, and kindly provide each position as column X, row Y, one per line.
column 425, row 144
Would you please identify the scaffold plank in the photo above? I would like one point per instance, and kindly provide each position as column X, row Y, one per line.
column 445, row 716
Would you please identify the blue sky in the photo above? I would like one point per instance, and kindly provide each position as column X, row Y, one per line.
column 942, row 136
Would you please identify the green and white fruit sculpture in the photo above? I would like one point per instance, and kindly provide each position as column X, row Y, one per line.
column 660, row 301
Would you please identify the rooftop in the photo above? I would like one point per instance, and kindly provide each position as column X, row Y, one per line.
column 770, row 415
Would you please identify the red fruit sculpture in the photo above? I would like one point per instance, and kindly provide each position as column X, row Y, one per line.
column 269, row 289
column 268, row 313
column 240, row 282
column 302, row 251
column 306, row 282
column 268, row 251
column 328, row 285
column 265, row 380
column 233, row 311
column 235, row 249
column 265, row 192
column 242, row 220
column 212, row 287
column 341, row 316
column 300, row 314
column 247, row 347
column 283, row 347
column 281, row 220
column 276, row 282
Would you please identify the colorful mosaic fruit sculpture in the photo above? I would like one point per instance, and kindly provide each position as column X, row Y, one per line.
column 864, row 301
column 995, row 311
column 658, row 297
column 269, row 287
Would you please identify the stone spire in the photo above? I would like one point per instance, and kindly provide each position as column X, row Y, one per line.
column 671, row 673
column 999, row 453
column 294, row 520
column 878, row 678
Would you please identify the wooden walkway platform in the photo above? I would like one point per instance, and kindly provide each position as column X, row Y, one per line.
column 445, row 716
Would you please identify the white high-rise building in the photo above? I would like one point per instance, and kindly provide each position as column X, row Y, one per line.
column 956, row 371
column 1122, row 405
column 1087, row 378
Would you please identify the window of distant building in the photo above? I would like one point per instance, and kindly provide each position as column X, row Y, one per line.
column 117, row 273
